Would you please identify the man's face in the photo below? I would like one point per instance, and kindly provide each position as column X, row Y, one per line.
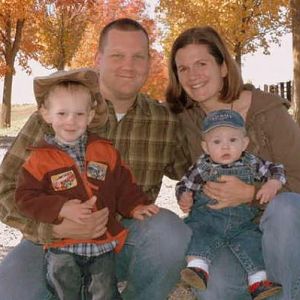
column 123, row 63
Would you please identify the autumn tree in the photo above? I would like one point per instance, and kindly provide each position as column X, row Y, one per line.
column 61, row 30
column 295, row 9
column 158, row 77
column 245, row 25
column 106, row 11
column 17, row 43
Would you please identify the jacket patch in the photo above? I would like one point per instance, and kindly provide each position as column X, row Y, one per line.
column 96, row 170
column 64, row 181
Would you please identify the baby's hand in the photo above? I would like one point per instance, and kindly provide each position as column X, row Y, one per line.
column 268, row 191
column 141, row 211
column 186, row 201
column 76, row 210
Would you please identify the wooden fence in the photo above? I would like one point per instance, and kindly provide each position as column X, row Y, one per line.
column 283, row 89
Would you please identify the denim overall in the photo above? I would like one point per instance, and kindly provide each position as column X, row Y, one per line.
column 231, row 227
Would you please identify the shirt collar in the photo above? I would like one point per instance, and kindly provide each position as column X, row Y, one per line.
column 210, row 161
column 140, row 102
column 82, row 140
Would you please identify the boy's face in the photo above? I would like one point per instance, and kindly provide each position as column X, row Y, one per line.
column 225, row 144
column 69, row 113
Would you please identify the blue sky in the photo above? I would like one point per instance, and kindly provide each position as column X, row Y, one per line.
column 259, row 69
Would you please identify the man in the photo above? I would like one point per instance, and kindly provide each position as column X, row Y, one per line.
column 150, row 142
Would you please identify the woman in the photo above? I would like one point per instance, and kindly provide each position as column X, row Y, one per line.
column 205, row 78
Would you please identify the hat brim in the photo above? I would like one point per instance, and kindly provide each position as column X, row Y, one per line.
column 86, row 76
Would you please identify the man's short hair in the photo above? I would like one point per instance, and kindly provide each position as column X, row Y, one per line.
column 123, row 24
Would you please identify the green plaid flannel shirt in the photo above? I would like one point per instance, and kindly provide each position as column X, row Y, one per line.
column 149, row 138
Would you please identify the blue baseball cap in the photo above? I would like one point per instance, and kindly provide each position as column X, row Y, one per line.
column 222, row 118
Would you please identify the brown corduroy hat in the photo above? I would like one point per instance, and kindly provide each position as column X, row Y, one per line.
column 85, row 76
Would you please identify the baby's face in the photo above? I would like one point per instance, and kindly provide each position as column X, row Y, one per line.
column 225, row 144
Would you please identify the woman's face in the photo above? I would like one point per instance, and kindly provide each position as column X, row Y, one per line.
column 198, row 72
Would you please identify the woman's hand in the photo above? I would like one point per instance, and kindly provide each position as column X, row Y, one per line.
column 230, row 191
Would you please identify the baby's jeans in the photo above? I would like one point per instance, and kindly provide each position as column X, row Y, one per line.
column 231, row 227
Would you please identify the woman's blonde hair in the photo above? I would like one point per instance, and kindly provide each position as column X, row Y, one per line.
column 205, row 35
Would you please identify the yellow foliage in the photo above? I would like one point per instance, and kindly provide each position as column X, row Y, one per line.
column 17, row 38
column 62, row 26
column 244, row 24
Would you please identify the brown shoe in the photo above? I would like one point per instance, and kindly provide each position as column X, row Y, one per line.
column 264, row 289
column 195, row 277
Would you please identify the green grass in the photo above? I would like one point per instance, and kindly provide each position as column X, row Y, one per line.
column 19, row 116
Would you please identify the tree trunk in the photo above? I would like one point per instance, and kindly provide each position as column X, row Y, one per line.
column 295, row 6
column 238, row 55
column 6, row 100
column 11, row 50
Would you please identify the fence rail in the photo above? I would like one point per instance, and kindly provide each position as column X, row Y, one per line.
column 283, row 89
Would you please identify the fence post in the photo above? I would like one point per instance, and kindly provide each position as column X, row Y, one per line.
column 289, row 90
column 282, row 93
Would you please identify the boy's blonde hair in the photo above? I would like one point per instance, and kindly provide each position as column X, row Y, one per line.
column 72, row 87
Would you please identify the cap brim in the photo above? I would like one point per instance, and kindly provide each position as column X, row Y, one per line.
column 222, row 125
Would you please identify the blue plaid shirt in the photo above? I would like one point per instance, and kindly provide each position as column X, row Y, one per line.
column 204, row 170
column 77, row 152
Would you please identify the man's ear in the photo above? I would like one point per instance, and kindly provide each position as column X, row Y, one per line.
column 246, row 143
column 204, row 147
column 44, row 113
column 91, row 116
column 97, row 60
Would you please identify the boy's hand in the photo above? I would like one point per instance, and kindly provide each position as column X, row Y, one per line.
column 142, row 211
column 268, row 191
column 186, row 201
column 78, row 211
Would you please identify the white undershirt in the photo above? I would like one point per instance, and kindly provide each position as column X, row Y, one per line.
column 120, row 116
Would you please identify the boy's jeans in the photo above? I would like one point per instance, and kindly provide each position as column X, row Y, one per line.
column 150, row 261
column 76, row 277
column 232, row 227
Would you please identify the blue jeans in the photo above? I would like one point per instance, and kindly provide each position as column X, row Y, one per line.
column 150, row 261
column 280, row 225
column 231, row 227
column 71, row 276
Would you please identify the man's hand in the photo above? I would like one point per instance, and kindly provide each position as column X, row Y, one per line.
column 186, row 201
column 78, row 211
column 268, row 191
column 92, row 228
column 230, row 191
column 143, row 211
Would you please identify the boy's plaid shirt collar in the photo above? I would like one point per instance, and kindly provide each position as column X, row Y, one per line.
column 76, row 150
